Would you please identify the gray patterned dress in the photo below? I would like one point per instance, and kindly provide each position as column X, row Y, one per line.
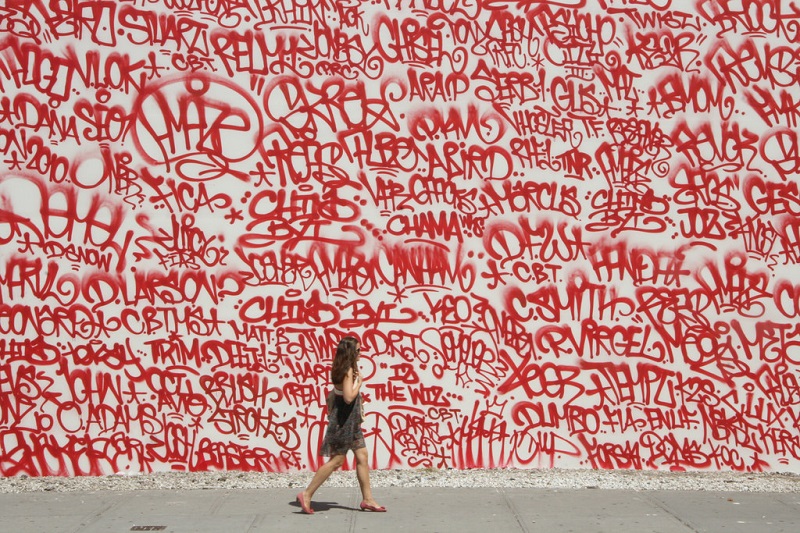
column 344, row 426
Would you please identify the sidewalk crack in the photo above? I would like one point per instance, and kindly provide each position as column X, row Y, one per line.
column 667, row 510
column 354, row 501
column 514, row 511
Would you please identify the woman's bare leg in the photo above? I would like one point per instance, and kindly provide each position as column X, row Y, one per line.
column 362, row 472
column 321, row 476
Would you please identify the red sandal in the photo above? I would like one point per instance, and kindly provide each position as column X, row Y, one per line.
column 374, row 508
column 302, row 501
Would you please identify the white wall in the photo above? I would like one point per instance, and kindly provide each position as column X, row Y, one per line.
column 567, row 235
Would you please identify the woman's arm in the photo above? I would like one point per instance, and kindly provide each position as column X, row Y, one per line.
column 351, row 385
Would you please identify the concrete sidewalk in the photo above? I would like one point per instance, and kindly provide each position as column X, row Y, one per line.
column 410, row 510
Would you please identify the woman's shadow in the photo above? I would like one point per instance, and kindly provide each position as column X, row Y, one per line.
column 320, row 506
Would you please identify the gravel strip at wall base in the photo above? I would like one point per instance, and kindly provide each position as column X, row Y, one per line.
column 504, row 478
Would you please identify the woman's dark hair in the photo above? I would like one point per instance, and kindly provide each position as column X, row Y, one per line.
column 345, row 359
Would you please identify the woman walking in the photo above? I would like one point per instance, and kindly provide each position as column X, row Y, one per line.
column 344, row 427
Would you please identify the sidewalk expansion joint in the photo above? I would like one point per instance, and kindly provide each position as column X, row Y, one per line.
column 514, row 511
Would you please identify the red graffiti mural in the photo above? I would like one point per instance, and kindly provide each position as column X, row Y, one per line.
column 567, row 234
